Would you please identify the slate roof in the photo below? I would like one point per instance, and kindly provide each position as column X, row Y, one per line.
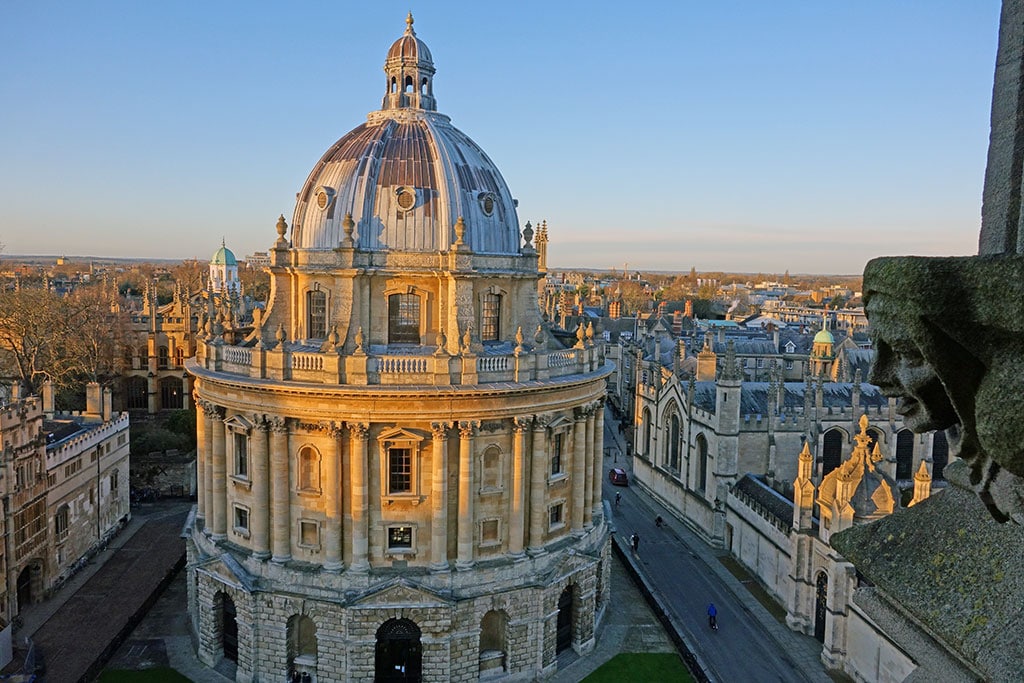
column 770, row 502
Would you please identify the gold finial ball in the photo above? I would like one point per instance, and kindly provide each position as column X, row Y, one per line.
column 409, row 21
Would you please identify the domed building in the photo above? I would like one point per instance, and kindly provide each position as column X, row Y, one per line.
column 224, row 272
column 400, row 468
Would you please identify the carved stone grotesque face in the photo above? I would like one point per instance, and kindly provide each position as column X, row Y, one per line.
column 901, row 371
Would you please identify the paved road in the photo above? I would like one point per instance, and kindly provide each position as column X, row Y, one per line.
column 684, row 575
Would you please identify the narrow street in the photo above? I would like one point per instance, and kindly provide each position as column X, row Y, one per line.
column 684, row 574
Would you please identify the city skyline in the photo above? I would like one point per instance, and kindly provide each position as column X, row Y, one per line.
column 798, row 138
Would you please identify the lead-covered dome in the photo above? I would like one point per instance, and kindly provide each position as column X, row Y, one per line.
column 406, row 176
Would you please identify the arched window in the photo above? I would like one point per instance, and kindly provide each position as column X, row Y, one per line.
column 940, row 455
column 316, row 314
column 490, row 317
column 394, row 84
column 831, row 450
column 309, row 469
column 408, row 84
column 403, row 319
column 399, row 653
column 645, row 447
column 179, row 356
column 423, row 87
column 904, row 454
column 162, row 358
column 490, row 471
column 702, row 458
column 136, row 393
column 61, row 522
column 673, row 443
column 170, row 393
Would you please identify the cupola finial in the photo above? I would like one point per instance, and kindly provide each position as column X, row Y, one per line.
column 408, row 24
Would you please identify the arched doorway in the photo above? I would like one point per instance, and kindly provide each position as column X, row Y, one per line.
column 228, row 628
column 493, row 654
column 820, row 606
column 399, row 655
column 563, row 630
column 302, row 644
column 831, row 451
column 27, row 586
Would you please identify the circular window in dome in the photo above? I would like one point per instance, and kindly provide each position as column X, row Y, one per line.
column 406, row 198
column 487, row 203
column 324, row 197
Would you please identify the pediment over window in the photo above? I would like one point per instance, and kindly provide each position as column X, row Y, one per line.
column 238, row 423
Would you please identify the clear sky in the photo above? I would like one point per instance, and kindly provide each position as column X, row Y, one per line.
column 806, row 136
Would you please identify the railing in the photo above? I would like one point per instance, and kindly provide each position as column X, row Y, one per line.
column 307, row 365
column 494, row 364
column 307, row 362
column 561, row 359
column 391, row 365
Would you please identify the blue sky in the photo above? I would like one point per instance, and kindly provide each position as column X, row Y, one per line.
column 745, row 136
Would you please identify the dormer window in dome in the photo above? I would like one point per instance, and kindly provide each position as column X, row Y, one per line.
column 487, row 200
column 406, row 197
column 324, row 197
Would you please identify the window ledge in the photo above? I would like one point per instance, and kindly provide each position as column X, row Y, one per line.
column 241, row 482
column 411, row 498
column 309, row 493
column 556, row 478
column 239, row 531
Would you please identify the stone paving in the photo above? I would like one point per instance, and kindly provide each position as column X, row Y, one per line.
column 75, row 630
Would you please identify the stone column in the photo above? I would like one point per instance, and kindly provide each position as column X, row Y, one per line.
column 538, row 484
column 516, row 518
column 260, row 514
column 202, row 455
column 359, row 432
column 280, row 494
column 332, row 501
column 209, row 413
column 598, row 456
column 220, row 479
column 439, row 498
column 464, row 559
column 589, row 465
column 579, row 470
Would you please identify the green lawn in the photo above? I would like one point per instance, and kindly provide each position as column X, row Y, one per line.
column 161, row 675
column 642, row 667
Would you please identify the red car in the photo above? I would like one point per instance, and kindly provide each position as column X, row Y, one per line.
column 618, row 476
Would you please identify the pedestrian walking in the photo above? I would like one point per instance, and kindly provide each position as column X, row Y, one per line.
column 634, row 540
column 658, row 521
column 618, row 499
column 712, row 616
